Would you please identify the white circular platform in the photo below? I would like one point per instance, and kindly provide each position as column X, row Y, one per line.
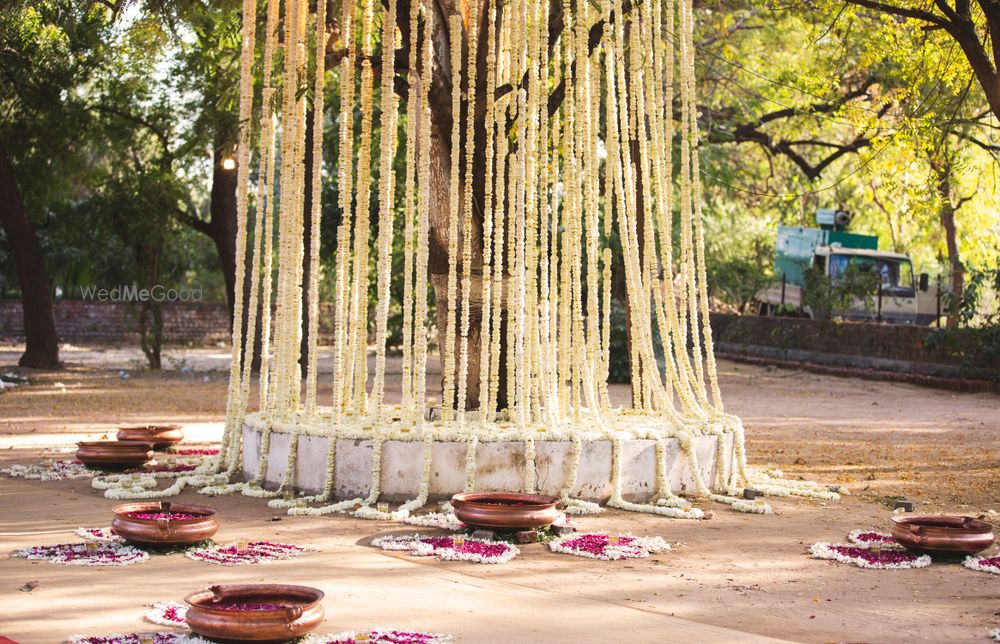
column 500, row 466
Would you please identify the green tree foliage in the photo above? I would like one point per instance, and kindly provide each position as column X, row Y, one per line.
column 977, row 341
column 826, row 104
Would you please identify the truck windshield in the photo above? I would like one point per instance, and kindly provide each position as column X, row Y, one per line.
column 895, row 275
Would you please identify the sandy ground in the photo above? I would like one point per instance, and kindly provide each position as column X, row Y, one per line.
column 725, row 579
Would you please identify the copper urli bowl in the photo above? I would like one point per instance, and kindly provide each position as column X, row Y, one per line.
column 301, row 612
column 159, row 435
column 942, row 535
column 505, row 510
column 114, row 454
column 164, row 532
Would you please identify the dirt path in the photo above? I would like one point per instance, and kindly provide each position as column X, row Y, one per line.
column 744, row 572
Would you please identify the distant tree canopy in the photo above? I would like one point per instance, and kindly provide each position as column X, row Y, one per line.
column 116, row 117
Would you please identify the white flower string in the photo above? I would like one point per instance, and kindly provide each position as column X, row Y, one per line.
column 345, row 176
column 743, row 505
column 233, row 420
column 466, row 239
column 423, row 224
column 409, row 209
column 316, row 197
column 454, row 211
column 357, row 357
column 386, row 199
column 445, row 521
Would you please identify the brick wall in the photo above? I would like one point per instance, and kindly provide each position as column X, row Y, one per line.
column 114, row 322
column 89, row 321
column 208, row 322
column 885, row 341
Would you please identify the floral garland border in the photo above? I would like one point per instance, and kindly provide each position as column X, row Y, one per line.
column 871, row 537
column 474, row 550
column 51, row 470
column 983, row 564
column 596, row 545
column 380, row 636
column 865, row 557
column 168, row 613
column 256, row 552
column 159, row 637
column 79, row 554
column 101, row 535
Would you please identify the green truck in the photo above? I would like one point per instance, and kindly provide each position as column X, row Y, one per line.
column 900, row 298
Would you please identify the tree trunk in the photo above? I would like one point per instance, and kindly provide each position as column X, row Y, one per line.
column 947, row 215
column 222, row 226
column 151, row 313
column 438, row 270
column 966, row 33
column 41, row 340
column 151, row 332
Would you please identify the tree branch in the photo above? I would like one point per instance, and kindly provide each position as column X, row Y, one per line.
column 160, row 134
column 905, row 12
column 752, row 132
column 188, row 219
